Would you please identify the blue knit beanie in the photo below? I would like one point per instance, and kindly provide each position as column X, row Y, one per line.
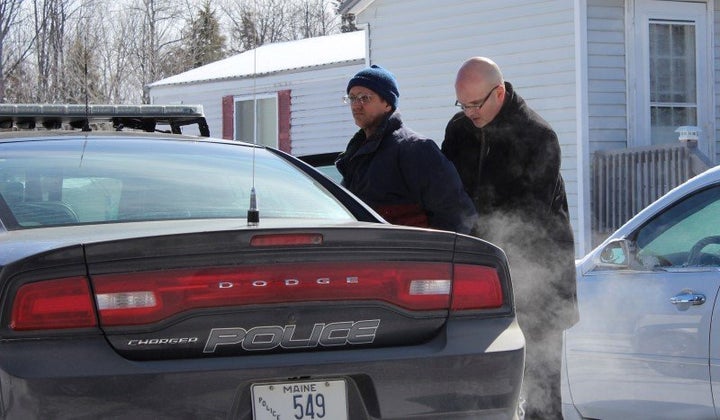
column 379, row 81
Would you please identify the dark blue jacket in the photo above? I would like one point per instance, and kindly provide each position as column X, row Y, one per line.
column 406, row 178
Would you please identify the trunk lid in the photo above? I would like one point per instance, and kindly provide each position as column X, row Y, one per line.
column 255, row 291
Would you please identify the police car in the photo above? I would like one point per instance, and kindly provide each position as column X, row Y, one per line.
column 149, row 274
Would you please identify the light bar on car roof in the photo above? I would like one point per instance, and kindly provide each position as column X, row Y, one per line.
column 140, row 117
column 96, row 110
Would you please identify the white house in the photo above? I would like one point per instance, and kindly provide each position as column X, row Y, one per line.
column 609, row 75
column 606, row 74
column 297, row 87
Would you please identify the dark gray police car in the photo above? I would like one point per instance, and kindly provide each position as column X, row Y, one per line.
column 150, row 274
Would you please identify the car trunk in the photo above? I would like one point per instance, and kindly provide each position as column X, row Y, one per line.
column 258, row 291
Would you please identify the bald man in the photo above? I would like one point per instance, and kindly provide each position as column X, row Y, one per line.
column 508, row 158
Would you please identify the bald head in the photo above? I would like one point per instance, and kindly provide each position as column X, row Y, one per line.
column 480, row 90
column 479, row 70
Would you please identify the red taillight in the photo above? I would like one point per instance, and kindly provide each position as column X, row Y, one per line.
column 148, row 297
column 53, row 304
column 476, row 287
column 143, row 298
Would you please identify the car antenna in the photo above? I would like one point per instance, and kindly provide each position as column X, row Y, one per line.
column 86, row 124
column 253, row 214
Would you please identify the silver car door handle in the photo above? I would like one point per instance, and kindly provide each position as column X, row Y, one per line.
column 691, row 298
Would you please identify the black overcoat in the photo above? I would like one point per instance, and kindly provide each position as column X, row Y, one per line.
column 511, row 170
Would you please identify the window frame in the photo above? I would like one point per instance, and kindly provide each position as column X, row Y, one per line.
column 641, row 13
column 255, row 99
column 679, row 227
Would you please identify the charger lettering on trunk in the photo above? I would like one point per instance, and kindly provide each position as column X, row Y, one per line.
column 271, row 336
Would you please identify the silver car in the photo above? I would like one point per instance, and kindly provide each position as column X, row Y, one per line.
column 646, row 345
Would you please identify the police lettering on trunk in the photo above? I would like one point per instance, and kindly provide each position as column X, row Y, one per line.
column 272, row 336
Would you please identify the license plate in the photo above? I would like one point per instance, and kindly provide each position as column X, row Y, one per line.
column 318, row 400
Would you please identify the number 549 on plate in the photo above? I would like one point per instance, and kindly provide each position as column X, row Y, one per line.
column 307, row 400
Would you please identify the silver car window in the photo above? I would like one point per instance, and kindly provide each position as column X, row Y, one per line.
column 686, row 234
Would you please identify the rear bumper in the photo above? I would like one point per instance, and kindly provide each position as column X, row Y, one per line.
column 468, row 372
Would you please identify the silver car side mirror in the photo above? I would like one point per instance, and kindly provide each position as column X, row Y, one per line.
column 616, row 254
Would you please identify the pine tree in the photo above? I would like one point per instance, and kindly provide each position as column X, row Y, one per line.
column 204, row 42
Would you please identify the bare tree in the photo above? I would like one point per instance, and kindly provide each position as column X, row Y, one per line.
column 82, row 82
column 119, row 81
column 51, row 18
column 18, row 87
column 10, row 59
column 315, row 18
column 158, row 28
column 257, row 22
column 95, row 50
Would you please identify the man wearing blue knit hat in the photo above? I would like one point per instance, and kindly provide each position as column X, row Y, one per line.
column 400, row 174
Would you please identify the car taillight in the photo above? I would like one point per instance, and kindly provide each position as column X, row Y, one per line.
column 53, row 304
column 143, row 298
column 476, row 287
column 146, row 297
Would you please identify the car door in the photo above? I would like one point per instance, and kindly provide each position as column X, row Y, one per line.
column 642, row 346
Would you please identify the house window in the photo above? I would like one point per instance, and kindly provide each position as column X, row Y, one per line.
column 669, row 71
column 673, row 79
column 257, row 113
column 238, row 118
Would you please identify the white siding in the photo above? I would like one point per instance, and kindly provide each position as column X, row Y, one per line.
column 320, row 122
column 533, row 41
column 426, row 47
column 716, row 74
column 208, row 94
column 607, row 86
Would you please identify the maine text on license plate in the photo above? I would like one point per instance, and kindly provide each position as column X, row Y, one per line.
column 320, row 400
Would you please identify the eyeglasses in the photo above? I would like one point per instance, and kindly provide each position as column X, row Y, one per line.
column 468, row 108
column 361, row 99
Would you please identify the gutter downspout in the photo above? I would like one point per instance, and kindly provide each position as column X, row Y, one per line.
column 583, row 241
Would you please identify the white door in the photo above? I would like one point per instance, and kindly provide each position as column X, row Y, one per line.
column 670, row 75
column 642, row 348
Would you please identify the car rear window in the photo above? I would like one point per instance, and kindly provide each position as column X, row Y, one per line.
column 105, row 180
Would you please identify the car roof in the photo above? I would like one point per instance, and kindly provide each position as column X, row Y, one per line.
column 30, row 135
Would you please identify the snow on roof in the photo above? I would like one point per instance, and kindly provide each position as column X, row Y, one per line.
column 281, row 56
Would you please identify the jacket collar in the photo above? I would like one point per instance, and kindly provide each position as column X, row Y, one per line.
column 510, row 105
column 391, row 123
